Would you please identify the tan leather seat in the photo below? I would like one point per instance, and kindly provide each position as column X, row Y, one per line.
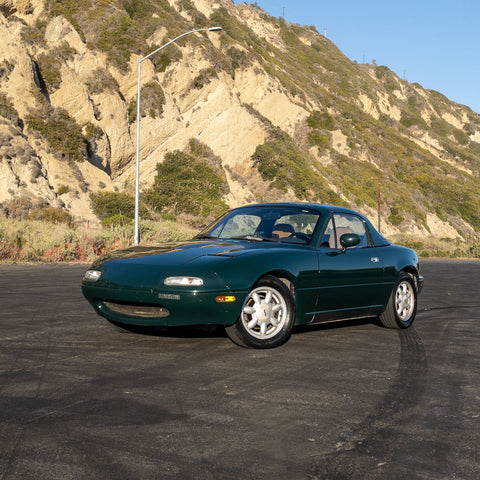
column 339, row 231
column 282, row 230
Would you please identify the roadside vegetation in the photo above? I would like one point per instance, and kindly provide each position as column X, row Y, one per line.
column 51, row 241
column 42, row 241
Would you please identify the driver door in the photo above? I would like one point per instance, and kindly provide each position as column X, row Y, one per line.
column 350, row 279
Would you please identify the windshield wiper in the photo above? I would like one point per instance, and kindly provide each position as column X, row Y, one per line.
column 204, row 237
column 254, row 238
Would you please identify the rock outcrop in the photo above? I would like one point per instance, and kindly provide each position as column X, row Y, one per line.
column 54, row 68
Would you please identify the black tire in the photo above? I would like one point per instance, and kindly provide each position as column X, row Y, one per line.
column 402, row 305
column 267, row 316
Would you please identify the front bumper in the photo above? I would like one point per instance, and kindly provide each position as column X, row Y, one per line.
column 163, row 308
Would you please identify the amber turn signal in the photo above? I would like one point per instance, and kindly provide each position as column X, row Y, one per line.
column 225, row 298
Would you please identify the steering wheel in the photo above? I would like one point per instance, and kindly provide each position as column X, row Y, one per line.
column 301, row 236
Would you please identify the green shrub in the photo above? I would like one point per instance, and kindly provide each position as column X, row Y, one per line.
column 198, row 149
column 116, row 220
column 185, row 184
column 410, row 119
column 7, row 109
column 164, row 58
column 285, row 165
column 388, row 78
column 461, row 137
column 238, row 58
column 395, row 218
column 474, row 250
column 62, row 131
column 49, row 64
column 51, row 215
column 321, row 120
column 204, row 78
column 117, row 34
column 316, row 138
column 69, row 9
column 93, row 132
column 111, row 204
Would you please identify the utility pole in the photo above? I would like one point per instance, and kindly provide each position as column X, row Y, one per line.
column 379, row 180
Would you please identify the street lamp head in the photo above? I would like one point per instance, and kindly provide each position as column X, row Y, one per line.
column 214, row 29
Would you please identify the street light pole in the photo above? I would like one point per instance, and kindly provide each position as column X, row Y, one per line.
column 137, row 162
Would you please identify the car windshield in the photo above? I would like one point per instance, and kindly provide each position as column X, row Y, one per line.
column 266, row 223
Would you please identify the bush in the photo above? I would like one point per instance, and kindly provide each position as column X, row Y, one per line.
column 101, row 80
column 116, row 220
column 321, row 120
column 6, row 68
column 316, row 138
column 50, row 64
column 395, row 217
column 7, row 109
column 152, row 100
column 119, row 37
column 111, row 204
column 203, row 78
column 409, row 120
column 474, row 250
column 285, row 165
column 238, row 58
column 61, row 130
column 51, row 215
column 17, row 207
column 185, row 184
column 93, row 132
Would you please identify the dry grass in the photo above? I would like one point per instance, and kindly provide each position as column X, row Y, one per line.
column 440, row 247
column 34, row 240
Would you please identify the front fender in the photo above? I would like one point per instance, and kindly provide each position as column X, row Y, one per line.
column 298, row 265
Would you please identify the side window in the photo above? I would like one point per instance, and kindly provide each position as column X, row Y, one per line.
column 328, row 234
column 340, row 224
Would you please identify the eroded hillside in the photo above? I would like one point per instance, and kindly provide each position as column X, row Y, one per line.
column 274, row 110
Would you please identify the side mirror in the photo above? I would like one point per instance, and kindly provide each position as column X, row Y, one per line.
column 348, row 240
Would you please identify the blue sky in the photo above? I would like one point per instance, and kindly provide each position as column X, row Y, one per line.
column 433, row 43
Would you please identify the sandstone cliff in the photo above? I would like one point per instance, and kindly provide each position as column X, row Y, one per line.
column 233, row 91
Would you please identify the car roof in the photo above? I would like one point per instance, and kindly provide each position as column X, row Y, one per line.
column 313, row 206
column 377, row 238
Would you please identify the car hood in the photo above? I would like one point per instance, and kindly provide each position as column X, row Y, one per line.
column 178, row 253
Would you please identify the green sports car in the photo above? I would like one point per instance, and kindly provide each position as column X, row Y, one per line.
column 258, row 271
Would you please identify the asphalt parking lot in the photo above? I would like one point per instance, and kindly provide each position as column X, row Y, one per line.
column 80, row 399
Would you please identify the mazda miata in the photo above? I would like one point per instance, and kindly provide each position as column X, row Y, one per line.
column 259, row 270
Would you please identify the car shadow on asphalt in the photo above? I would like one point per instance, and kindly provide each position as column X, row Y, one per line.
column 218, row 331
column 194, row 331
column 333, row 325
